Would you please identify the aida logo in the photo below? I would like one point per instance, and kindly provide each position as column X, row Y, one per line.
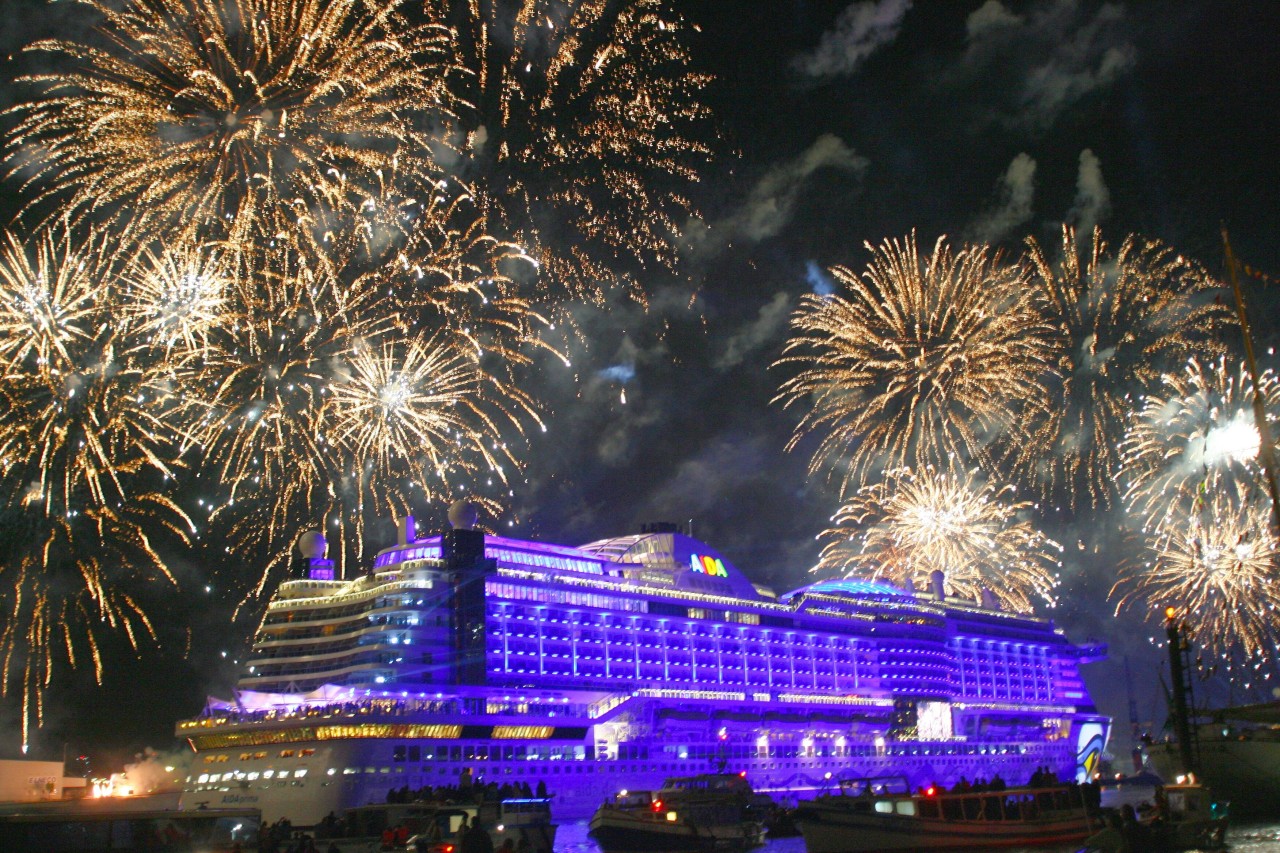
column 712, row 566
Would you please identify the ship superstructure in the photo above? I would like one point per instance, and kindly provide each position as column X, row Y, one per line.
column 618, row 664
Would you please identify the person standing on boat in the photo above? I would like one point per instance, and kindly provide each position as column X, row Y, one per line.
column 476, row 839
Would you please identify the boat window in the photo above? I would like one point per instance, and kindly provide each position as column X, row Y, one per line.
column 884, row 807
column 907, row 807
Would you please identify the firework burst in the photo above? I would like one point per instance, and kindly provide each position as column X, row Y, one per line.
column 917, row 361
column 85, row 447
column 438, row 264
column 237, row 118
column 1197, row 436
column 257, row 393
column 336, row 399
column 422, row 399
column 912, row 524
column 1217, row 565
column 175, row 296
column 1120, row 321
column 584, row 124
column 413, row 420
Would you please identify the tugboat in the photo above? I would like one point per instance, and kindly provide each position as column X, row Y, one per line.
column 883, row 814
column 693, row 814
column 1185, row 817
column 433, row 826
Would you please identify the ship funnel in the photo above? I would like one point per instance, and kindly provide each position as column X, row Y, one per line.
column 937, row 581
column 406, row 532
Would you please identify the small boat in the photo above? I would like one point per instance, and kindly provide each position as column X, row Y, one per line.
column 693, row 814
column 883, row 814
column 1182, row 817
column 433, row 827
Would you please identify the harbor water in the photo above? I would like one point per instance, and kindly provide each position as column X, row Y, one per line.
column 1246, row 838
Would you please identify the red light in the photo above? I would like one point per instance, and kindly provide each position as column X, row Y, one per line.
column 929, row 792
column 448, row 848
column 657, row 805
column 742, row 774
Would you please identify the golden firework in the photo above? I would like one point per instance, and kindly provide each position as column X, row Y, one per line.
column 584, row 123
column 914, row 523
column 1119, row 322
column 49, row 295
column 414, row 420
column 337, row 398
column 85, row 446
column 438, row 264
column 258, row 391
column 917, row 361
column 424, row 400
column 1216, row 564
column 174, row 296
column 1194, row 437
column 236, row 118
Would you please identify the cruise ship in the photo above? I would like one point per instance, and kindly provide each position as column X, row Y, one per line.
column 462, row 657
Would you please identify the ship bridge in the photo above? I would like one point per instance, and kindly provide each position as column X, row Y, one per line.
column 672, row 559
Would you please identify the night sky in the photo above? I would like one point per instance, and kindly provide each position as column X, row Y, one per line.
column 839, row 123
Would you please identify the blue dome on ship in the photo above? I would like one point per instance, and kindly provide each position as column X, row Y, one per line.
column 853, row 588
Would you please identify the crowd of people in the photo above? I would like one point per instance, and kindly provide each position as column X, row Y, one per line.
column 368, row 707
column 1050, row 794
column 281, row 837
column 444, row 805
column 466, row 793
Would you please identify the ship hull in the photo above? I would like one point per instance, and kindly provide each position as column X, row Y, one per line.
column 578, row 786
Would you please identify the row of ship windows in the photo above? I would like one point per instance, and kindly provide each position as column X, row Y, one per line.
column 725, row 645
column 354, row 627
column 985, row 688
column 520, row 592
column 352, row 643
column 656, row 653
column 417, row 598
column 669, row 755
column 359, row 659
column 438, row 774
column 545, row 618
column 255, row 756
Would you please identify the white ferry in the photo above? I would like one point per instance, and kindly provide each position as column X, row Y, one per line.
column 619, row 664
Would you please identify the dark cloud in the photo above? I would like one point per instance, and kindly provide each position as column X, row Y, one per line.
column 1015, row 194
column 770, row 204
column 1041, row 63
column 1093, row 199
column 764, row 330
column 860, row 30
